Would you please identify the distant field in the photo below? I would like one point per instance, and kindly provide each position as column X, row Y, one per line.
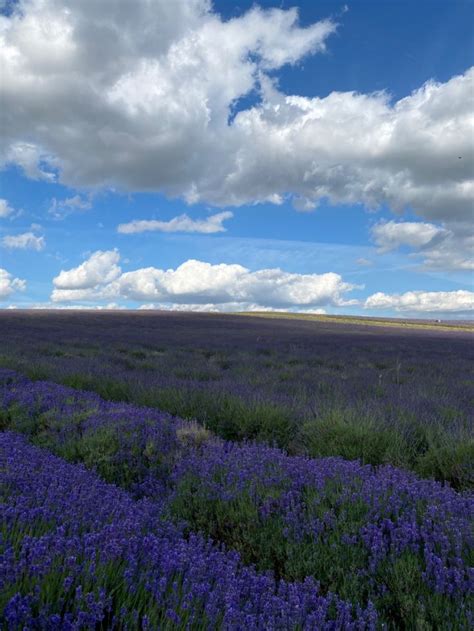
column 201, row 471
column 368, row 321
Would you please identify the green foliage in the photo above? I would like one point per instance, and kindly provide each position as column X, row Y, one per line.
column 107, row 388
column 452, row 462
column 427, row 450
column 226, row 415
column 341, row 433
column 97, row 450
column 398, row 591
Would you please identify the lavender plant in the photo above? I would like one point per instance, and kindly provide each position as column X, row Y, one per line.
column 379, row 394
column 377, row 538
column 78, row 553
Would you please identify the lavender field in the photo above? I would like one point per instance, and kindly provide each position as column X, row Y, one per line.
column 198, row 471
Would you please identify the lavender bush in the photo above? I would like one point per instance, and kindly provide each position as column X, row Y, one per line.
column 77, row 553
column 381, row 539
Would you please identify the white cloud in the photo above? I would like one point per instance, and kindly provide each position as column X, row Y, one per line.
column 61, row 208
column 202, row 282
column 196, row 282
column 183, row 223
column 134, row 95
column 460, row 301
column 5, row 208
column 363, row 262
column 98, row 270
column 439, row 247
column 226, row 307
column 31, row 158
column 8, row 284
column 353, row 147
column 391, row 235
column 25, row 241
column 203, row 308
column 112, row 306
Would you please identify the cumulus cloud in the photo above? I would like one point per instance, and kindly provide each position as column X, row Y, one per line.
column 98, row 270
column 61, row 208
column 25, row 241
column 134, row 95
column 5, row 208
column 183, row 223
column 460, row 301
column 197, row 282
column 9, row 284
column 351, row 148
column 440, row 248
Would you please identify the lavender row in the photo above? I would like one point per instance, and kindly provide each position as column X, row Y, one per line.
column 369, row 535
column 404, row 543
column 317, row 388
column 78, row 553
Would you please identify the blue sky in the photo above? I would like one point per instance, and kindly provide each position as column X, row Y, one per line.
column 338, row 141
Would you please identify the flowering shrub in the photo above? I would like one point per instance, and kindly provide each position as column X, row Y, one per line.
column 78, row 553
column 323, row 542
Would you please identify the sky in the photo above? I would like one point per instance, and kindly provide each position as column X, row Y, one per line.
column 304, row 155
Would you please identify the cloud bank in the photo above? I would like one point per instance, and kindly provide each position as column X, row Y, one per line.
column 460, row 301
column 198, row 283
column 200, row 286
